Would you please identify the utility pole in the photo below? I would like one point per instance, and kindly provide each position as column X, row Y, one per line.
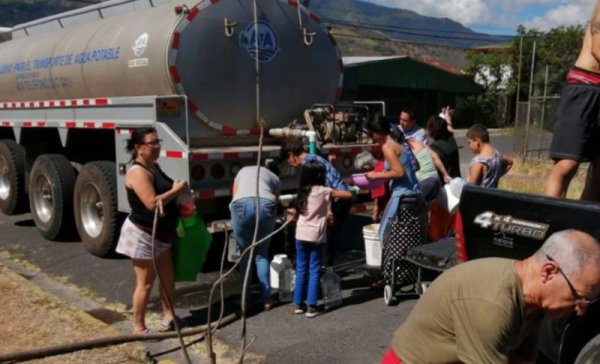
column 526, row 143
column 518, row 115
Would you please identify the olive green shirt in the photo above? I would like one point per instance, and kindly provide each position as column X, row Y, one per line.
column 473, row 313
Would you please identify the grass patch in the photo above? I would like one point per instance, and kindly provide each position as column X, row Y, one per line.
column 529, row 176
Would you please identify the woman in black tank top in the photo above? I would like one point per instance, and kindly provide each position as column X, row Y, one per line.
column 147, row 184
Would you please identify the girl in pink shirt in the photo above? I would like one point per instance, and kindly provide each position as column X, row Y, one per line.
column 313, row 208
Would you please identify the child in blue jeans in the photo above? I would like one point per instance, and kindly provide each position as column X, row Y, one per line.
column 313, row 208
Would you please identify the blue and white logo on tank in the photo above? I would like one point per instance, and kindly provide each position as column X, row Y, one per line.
column 268, row 43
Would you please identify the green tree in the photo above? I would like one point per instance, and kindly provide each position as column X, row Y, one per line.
column 557, row 48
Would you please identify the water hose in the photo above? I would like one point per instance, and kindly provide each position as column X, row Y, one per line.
column 159, row 211
column 104, row 342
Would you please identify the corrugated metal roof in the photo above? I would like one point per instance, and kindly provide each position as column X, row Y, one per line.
column 355, row 60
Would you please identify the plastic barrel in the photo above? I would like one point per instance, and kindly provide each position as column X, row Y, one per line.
column 372, row 245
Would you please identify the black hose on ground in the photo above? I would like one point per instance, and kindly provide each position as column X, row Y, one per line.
column 104, row 342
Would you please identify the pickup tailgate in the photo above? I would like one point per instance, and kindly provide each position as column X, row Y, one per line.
column 498, row 223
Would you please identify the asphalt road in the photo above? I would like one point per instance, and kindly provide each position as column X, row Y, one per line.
column 358, row 332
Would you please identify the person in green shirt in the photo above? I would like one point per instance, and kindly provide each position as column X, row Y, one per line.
column 489, row 310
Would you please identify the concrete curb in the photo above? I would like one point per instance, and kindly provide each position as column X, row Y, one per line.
column 43, row 285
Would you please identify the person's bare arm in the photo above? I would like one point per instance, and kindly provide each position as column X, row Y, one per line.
column 507, row 163
column 448, row 117
column 396, row 169
column 341, row 194
column 475, row 173
column 141, row 183
column 439, row 165
column 234, row 188
column 595, row 31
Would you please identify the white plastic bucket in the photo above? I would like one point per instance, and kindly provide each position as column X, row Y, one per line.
column 372, row 245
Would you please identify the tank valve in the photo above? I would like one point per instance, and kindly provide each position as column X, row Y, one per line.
column 229, row 27
column 308, row 36
column 179, row 9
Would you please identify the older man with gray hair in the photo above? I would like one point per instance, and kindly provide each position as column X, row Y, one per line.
column 489, row 310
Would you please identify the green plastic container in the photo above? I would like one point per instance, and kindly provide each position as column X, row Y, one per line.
column 191, row 247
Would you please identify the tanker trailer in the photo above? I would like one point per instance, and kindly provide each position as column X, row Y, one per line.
column 73, row 87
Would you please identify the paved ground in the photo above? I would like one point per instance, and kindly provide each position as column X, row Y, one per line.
column 358, row 332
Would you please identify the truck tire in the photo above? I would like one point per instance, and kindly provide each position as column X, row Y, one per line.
column 590, row 353
column 96, row 207
column 51, row 184
column 13, row 199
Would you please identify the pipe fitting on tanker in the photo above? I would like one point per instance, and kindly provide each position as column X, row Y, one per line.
column 229, row 27
column 309, row 37
column 287, row 133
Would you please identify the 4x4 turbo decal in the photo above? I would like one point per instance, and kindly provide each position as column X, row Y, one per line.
column 508, row 224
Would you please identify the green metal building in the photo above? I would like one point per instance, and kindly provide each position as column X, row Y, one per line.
column 423, row 85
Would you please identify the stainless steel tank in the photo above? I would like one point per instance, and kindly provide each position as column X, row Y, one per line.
column 157, row 51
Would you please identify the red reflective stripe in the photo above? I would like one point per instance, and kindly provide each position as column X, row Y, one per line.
column 6, row 123
column 175, row 74
column 108, row 125
column 198, row 157
column 193, row 108
column 73, row 102
column 173, row 154
column 193, row 14
column 86, row 101
column 231, row 156
column 206, row 194
column 101, row 101
column 41, row 124
column 214, row 1
column 293, row 3
column 27, row 124
column 70, row 124
column 89, row 124
column 22, row 104
column 176, row 39
column 331, row 39
column 227, row 130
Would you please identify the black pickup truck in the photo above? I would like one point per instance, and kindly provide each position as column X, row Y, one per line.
column 498, row 223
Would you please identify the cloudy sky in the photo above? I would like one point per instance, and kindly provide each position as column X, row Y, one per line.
column 501, row 16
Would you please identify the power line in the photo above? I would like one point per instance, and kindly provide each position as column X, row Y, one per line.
column 410, row 28
column 392, row 29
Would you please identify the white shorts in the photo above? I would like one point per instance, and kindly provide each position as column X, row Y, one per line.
column 137, row 243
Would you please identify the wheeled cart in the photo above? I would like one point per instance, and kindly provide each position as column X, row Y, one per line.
column 430, row 259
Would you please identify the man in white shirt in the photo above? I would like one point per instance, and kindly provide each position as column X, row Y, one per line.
column 409, row 126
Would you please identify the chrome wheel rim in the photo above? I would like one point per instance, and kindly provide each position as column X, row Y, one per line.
column 4, row 179
column 91, row 210
column 42, row 198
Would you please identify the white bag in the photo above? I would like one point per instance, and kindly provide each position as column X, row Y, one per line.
column 449, row 195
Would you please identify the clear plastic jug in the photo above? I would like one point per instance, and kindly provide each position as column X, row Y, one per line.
column 331, row 289
column 282, row 277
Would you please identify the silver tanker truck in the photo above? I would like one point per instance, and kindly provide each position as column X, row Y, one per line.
column 207, row 74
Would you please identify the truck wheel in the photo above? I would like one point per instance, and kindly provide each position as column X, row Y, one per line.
column 590, row 353
column 13, row 199
column 51, row 183
column 96, row 207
